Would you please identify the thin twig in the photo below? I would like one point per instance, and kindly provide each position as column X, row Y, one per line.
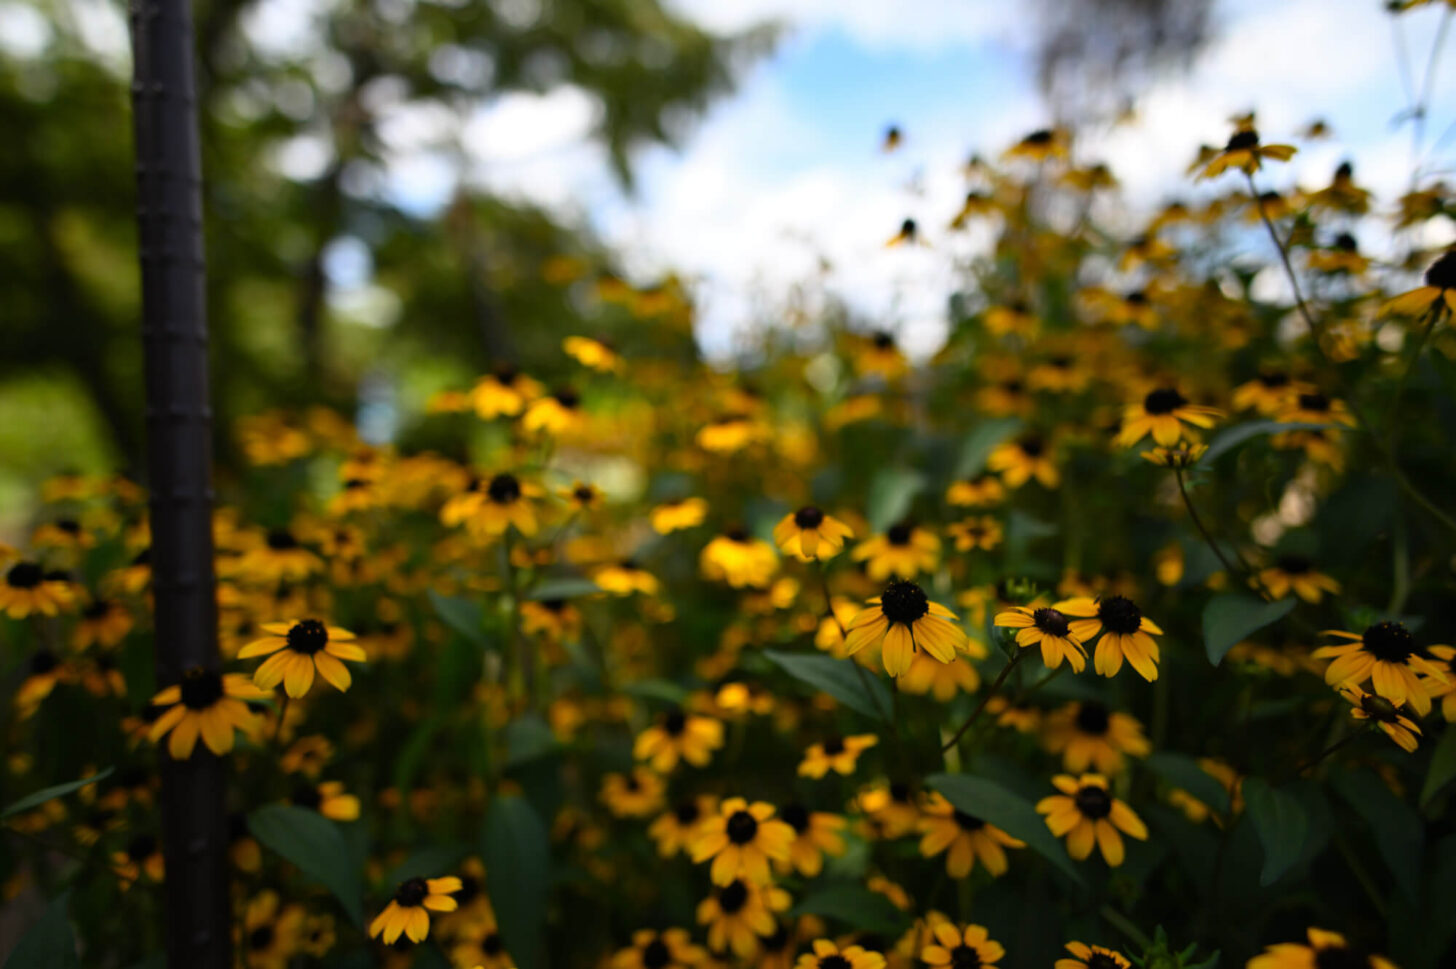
column 995, row 688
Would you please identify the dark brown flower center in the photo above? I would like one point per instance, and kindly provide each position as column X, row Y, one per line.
column 1442, row 273
column 1389, row 641
column 903, row 603
column 1032, row 447
column 796, row 816
column 742, row 827
column 307, row 796
column 834, row 745
column 1093, row 718
column 43, row 661
column 504, row 489
column 1340, row 957
column 1314, row 402
column 1293, row 564
column 899, row 535
column 808, row 517
column 260, row 938
column 1101, row 960
column 968, row 822
column 965, row 957
column 656, row 954
column 308, row 637
column 675, row 722
column 687, row 812
column 281, row 539
column 1165, row 400
column 1039, row 138
column 835, row 961
column 1093, row 802
column 201, row 688
column 142, row 847
column 1120, row 615
column 1050, row 621
column 733, row 897
column 1243, row 140
column 567, row 398
column 1275, row 380
column 411, row 893
column 883, row 340
column 24, row 575
column 492, row 945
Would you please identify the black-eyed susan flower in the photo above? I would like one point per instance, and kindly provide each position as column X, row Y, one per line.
column 141, row 858
column 205, row 704
column 1436, row 296
column 44, row 671
column 1325, row 949
column 408, row 913
column 271, row 932
column 892, row 808
column 908, row 235
column 739, row 914
column 504, row 393
column 739, row 559
column 674, row 516
column 903, row 620
column 28, row 589
column 1087, row 734
column 1313, row 407
column 963, row 838
column 809, row 534
column 741, row 839
column 904, row 551
column 944, row 681
column 1023, row 459
column 1039, row 146
column 555, row 619
column 1386, row 656
column 277, row 556
column 1245, row 153
column 1126, row 634
column 878, row 355
column 1048, row 628
column 635, row 794
column 678, row 736
column 675, row 829
column 966, row 947
column 816, row 834
column 1086, row 814
column 729, row 434
column 1268, row 393
column 594, row 354
column 668, row 949
column 488, row 508
column 984, row 489
column 1389, row 717
column 558, row 413
column 1180, row 456
column 1297, row 574
column 103, row 623
column 582, row 497
column 1086, row 956
column 1165, row 414
column 977, row 532
column 827, row 955
column 297, row 649
column 838, row 754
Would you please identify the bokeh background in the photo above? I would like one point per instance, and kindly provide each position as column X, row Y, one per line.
column 402, row 194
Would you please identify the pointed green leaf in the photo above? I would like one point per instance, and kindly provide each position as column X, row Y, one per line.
column 563, row 587
column 51, row 793
column 462, row 615
column 1240, row 434
column 979, row 444
column 1443, row 767
column 1394, row 824
column 517, row 854
column 1230, row 618
column 49, row 943
column 857, row 907
column 1281, row 824
column 892, row 491
column 313, row 844
column 860, row 690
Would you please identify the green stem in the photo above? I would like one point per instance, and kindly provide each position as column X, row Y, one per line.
column 1125, row 925
column 995, row 688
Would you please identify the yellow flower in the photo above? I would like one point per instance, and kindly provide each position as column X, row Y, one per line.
column 983, row 533
column 669, row 949
column 1244, row 152
column 943, row 680
column 1386, row 655
column 674, row 516
column 1184, row 454
column 408, row 913
column 904, row 551
column 1087, row 734
column 1325, row 949
column 816, row 834
column 1092, row 957
column 488, row 508
column 827, row 955
column 1437, row 296
column 328, row 799
column 1268, row 393
column 809, row 534
column 959, row 947
column 839, row 754
column 984, row 489
column 1126, row 634
column 624, row 578
column 964, row 838
column 557, row 414
column 739, row 914
column 299, row 648
column 1296, row 573
column 1021, row 460
column 595, row 354
column 739, row 559
column 1086, row 813
column 633, row 795
column 1163, row 413
column 504, row 393
column 905, row 621
column 28, row 588
column 205, row 704
column 1040, row 145
column 679, row 736
column 1049, row 628
column 741, row 839
column 1389, row 717
column 675, row 830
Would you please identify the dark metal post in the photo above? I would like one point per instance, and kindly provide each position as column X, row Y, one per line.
column 179, row 462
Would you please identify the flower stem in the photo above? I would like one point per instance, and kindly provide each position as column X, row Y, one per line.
column 995, row 688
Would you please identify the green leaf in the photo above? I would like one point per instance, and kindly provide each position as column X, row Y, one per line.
column 1281, row 824
column 529, row 738
column 664, row 691
column 563, row 587
column 313, row 844
column 979, row 444
column 838, row 678
column 462, row 615
column 1183, row 771
column 517, row 854
column 892, row 491
column 49, row 943
column 51, row 793
column 857, row 907
column 1015, row 815
column 1443, row 767
column 1230, row 618
column 1237, row 435
column 1397, row 829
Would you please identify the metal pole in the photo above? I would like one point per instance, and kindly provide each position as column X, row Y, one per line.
column 179, row 463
